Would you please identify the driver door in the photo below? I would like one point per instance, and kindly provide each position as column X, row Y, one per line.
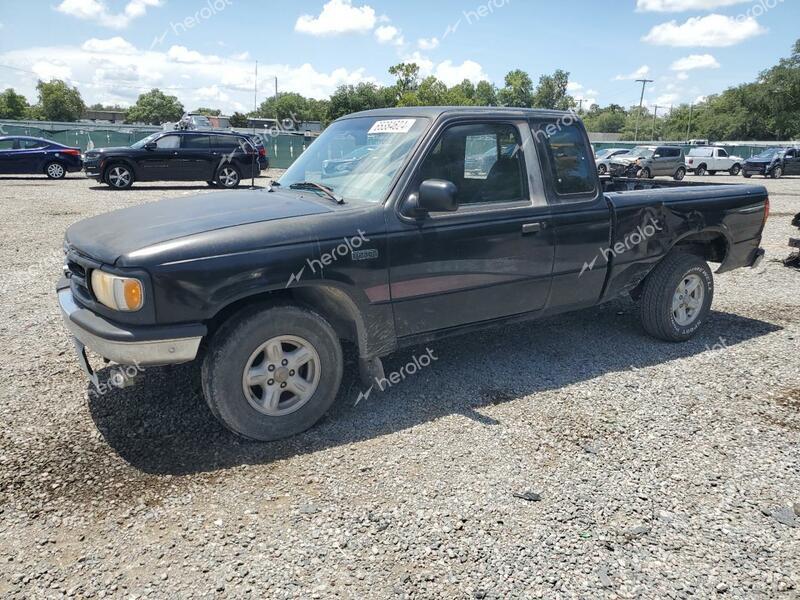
column 161, row 163
column 493, row 256
column 792, row 162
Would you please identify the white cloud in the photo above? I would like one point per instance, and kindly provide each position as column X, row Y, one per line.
column 639, row 73
column 114, row 45
column 424, row 63
column 695, row 61
column 47, row 70
column 713, row 31
column 667, row 99
column 683, row 5
column 389, row 34
column 119, row 78
column 428, row 44
column 451, row 74
column 99, row 12
column 700, row 99
column 183, row 55
column 682, row 76
column 337, row 17
column 241, row 56
column 573, row 87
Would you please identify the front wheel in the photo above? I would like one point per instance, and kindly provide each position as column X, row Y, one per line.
column 55, row 170
column 272, row 373
column 119, row 177
column 735, row 170
column 602, row 170
column 777, row 172
column 746, row 175
column 679, row 174
column 677, row 297
column 712, row 173
column 228, row 177
column 645, row 173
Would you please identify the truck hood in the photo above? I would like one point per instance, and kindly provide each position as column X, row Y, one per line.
column 105, row 238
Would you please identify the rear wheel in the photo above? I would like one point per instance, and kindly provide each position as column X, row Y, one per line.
column 228, row 176
column 55, row 170
column 677, row 297
column 700, row 171
column 119, row 176
column 777, row 172
column 679, row 174
column 271, row 373
column 735, row 170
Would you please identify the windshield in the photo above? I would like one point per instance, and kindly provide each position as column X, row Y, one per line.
column 640, row 152
column 769, row 154
column 609, row 151
column 142, row 142
column 357, row 158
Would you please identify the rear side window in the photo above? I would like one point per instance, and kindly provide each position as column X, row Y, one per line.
column 570, row 164
column 7, row 144
column 31, row 144
column 721, row 153
column 196, row 142
column 225, row 142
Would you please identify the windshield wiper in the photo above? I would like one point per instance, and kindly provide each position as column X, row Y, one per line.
column 310, row 185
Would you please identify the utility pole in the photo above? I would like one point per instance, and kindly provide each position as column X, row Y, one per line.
column 255, row 149
column 644, row 83
column 655, row 114
column 580, row 105
column 277, row 118
column 689, row 126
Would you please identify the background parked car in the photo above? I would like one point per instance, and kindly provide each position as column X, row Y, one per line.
column 651, row 161
column 773, row 162
column 29, row 155
column 711, row 159
column 603, row 158
column 223, row 159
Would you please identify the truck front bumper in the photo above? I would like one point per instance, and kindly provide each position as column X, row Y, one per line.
column 125, row 344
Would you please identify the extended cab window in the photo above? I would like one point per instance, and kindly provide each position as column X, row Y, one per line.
column 571, row 167
column 484, row 161
column 722, row 153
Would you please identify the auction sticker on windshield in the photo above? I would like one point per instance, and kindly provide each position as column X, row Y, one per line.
column 392, row 126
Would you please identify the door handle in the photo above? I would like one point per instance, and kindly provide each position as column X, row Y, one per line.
column 530, row 228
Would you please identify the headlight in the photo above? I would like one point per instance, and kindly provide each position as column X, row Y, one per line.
column 118, row 293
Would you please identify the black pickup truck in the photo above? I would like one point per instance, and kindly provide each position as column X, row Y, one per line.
column 420, row 237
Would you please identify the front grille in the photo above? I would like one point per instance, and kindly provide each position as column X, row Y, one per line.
column 79, row 270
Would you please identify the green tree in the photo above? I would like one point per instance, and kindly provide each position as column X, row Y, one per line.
column 238, row 120
column 293, row 106
column 209, row 112
column 485, row 94
column 407, row 75
column 13, row 105
column 610, row 119
column 59, row 102
column 364, row 96
column 154, row 108
column 552, row 92
column 518, row 91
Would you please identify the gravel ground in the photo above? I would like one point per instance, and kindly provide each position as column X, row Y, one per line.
column 651, row 470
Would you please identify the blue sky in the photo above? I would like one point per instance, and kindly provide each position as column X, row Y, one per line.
column 204, row 51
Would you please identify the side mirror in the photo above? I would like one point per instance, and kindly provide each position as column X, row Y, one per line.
column 435, row 195
column 656, row 156
column 150, row 146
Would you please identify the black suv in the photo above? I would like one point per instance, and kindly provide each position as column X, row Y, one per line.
column 773, row 162
column 222, row 159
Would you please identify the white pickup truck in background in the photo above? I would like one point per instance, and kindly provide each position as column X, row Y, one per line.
column 708, row 160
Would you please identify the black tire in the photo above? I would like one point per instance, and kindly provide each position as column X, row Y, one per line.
column 228, row 177
column 645, row 174
column 746, row 175
column 602, row 170
column 700, row 171
column 712, row 173
column 115, row 176
column 679, row 174
column 660, row 289
column 232, row 347
column 735, row 170
column 777, row 172
column 55, row 170
column 211, row 184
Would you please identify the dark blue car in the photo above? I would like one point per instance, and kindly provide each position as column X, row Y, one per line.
column 23, row 155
